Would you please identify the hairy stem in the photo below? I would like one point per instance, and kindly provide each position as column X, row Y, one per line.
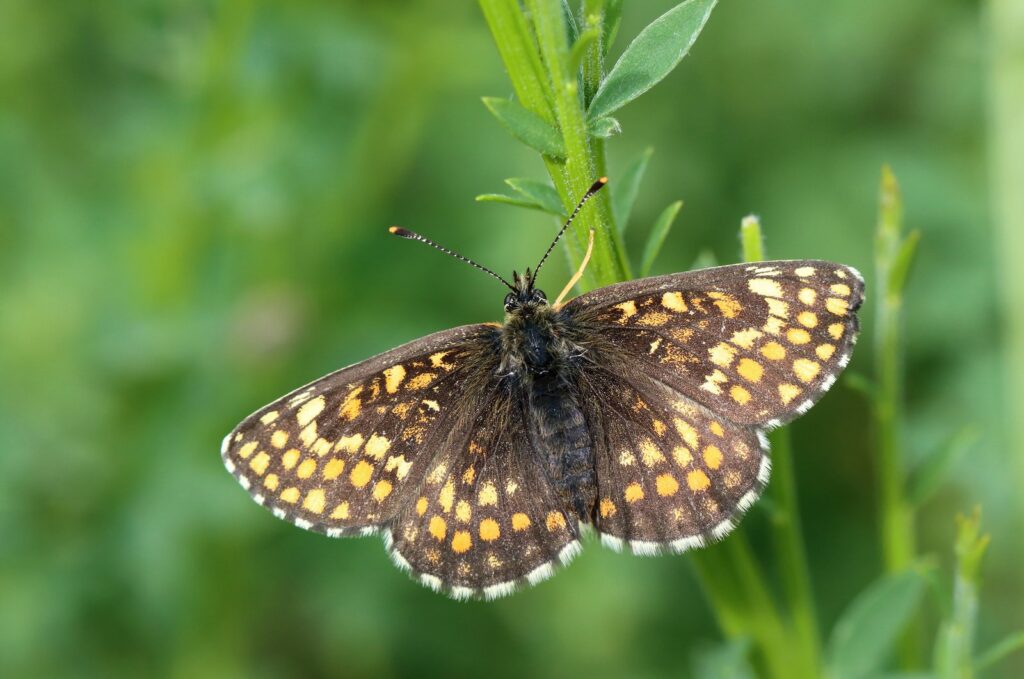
column 608, row 264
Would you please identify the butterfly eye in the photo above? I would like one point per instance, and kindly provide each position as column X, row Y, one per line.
column 510, row 301
column 539, row 297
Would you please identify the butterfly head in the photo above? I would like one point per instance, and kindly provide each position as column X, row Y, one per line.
column 524, row 297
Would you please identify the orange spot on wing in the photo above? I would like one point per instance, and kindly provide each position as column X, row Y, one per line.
column 361, row 474
column 634, row 492
column 713, row 457
column 555, row 521
column 520, row 521
column 697, row 480
column 438, row 527
column 462, row 541
column 666, row 485
column 489, row 530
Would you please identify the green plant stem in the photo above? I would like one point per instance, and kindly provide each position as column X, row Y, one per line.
column 1006, row 151
column 791, row 554
column 608, row 263
column 954, row 647
column 593, row 72
column 895, row 511
column 742, row 603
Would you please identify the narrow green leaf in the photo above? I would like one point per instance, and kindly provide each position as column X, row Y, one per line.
column 612, row 19
column 901, row 263
column 604, row 127
column 526, row 126
column 508, row 200
column 869, row 627
column 651, row 56
column 625, row 189
column 541, row 194
column 658, row 234
column 1000, row 650
column 572, row 30
column 930, row 474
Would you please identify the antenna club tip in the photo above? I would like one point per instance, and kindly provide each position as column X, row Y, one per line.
column 598, row 185
column 399, row 231
column 602, row 180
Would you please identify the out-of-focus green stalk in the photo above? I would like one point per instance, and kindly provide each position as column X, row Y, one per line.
column 1006, row 153
column 895, row 511
column 790, row 551
column 953, row 649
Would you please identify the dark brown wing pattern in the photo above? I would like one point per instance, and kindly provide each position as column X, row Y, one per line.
column 342, row 454
column 486, row 520
column 421, row 445
column 754, row 343
column 671, row 474
column 698, row 365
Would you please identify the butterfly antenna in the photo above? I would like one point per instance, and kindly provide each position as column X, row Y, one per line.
column 597, row 186
column 411, row 235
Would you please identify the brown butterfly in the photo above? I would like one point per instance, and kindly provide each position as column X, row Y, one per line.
column 638, row 409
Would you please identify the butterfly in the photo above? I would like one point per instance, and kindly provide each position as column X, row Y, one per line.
column 638, row 410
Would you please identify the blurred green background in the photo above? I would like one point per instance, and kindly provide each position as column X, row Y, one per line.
column 193, row 202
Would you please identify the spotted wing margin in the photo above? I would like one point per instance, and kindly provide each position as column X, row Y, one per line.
column 671, row 475
column 343, row 454
column 485, row 520
column 754, row 343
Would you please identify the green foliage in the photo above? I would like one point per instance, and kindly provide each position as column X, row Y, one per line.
column 193, row 202
column 531, row 194
column 933, row 472
column 867, row 630
column 659, row 232
column 726, row 661
column 527, row 127
column 651, row 56
column 627, row 185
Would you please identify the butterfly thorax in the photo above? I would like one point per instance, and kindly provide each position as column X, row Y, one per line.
column 541, row 361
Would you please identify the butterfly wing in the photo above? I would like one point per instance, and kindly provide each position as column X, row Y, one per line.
column 485, row 520
column 671, row 475
column 344, row 454
column 691, row 368
column 754, row 343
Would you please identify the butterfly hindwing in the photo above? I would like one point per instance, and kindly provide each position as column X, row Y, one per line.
column 671, row 475
column 343, row 454
column 754, row 343
column 486, row 519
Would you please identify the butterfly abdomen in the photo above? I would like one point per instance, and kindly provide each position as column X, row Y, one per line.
column 559, row 433
column 541, row 358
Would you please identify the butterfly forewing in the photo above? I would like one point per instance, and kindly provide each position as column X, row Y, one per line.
column 754, row 343
column 340, row 454
column 485, row 519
